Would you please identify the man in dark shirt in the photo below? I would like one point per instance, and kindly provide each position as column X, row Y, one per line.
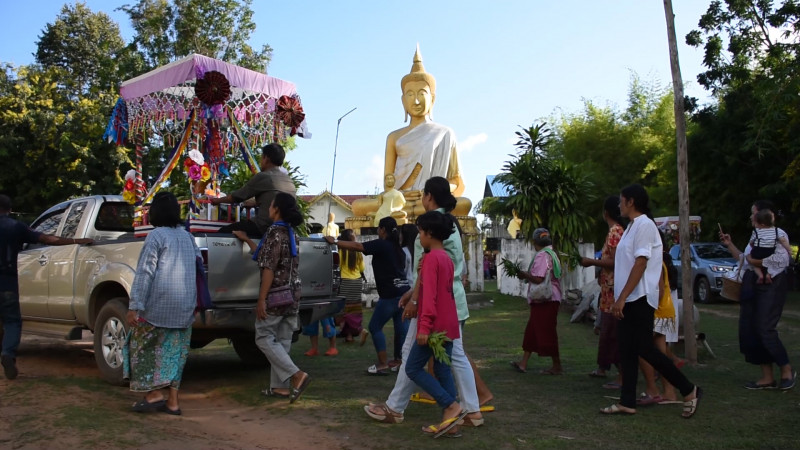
column 13, row 234
column 262, row 186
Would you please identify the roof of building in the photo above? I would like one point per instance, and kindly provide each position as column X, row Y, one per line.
column 345, row 201
column 494, row 188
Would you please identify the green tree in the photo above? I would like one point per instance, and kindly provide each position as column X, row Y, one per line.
column 745, row 146
column 86, row 46
column 615, row 148
column 545, row 191
column 168, row 30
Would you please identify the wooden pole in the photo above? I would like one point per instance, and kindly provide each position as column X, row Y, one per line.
column 689, row 336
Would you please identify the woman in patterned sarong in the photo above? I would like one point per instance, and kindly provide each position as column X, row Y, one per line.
column 161, row 309
column 352, row 266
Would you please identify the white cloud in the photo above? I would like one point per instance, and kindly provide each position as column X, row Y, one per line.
column 471, row 142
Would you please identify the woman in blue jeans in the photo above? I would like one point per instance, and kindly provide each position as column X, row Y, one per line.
column 388, row 265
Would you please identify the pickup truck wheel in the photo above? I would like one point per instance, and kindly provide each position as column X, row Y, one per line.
column 109, row 338
column 702, row 290
column 248, row 352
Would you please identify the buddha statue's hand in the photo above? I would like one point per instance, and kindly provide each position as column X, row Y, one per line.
column 412, row 195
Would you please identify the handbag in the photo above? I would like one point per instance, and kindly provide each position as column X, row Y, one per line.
column 283, row 295
column 203, row 295
column 542, row 292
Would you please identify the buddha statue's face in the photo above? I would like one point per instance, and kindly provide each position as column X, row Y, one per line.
column 418, row 98
column 388, row 181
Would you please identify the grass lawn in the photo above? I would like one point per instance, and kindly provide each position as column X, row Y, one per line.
column 539, row 411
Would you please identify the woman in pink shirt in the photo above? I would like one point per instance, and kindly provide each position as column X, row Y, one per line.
column 436, row 312
column 540, row 333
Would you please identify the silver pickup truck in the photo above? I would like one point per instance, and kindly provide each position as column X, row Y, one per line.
column 66, row 289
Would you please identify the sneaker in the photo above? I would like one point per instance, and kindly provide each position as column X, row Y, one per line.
column 10, row 367
column 786, row 383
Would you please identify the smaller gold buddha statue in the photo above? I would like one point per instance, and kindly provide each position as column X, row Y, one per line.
column 391, row 202
column 514, row 225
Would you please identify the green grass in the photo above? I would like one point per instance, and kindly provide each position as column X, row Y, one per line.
column 537, row 411
column 533, row 411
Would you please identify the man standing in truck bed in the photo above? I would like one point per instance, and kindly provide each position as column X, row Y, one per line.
column 13, row 234
column 263, row 186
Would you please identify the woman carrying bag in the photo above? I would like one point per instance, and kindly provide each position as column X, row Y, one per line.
column 544, row 298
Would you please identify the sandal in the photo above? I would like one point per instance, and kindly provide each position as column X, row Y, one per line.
column 470, row 422
column 446, row 425
column 647, row 400
column 597, row 374
column 295, row 393
column 515, row 365
column 612, row 385
column 690, row 407
column 386, row 415
column 144, row 406
column 270, row 393
column 615, row 409
column 418, row 398
column 172, row 412
column 373, row 370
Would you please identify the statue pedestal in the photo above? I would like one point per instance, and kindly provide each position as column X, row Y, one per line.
column 469, row 224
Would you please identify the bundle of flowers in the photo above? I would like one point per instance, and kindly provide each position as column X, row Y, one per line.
column 196, row 166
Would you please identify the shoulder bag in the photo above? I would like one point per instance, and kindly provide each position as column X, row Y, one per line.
column 282, row 295
column 542, row 292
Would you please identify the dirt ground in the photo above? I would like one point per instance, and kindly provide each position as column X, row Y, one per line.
column 52, row 402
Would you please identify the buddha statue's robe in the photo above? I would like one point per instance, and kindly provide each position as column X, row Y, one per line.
column 433, row 147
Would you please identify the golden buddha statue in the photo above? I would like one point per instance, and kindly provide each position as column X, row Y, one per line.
column 420, row 150
column 391, row 202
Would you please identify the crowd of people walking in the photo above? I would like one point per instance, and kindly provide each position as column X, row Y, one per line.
column 418, row 274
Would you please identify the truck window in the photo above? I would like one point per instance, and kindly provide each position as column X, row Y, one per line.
column 73, row 219
column 49, row 224
column 115, row 216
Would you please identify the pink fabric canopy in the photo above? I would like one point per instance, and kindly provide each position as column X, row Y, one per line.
column 186, row 69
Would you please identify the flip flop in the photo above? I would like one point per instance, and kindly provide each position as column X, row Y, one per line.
column 648, row 400
column 295, row 393
column 612, row 385
column 420, row 399
column 386, row 415
column 550, row 372
column 373, row 370
column 615, row 409
column 517, row 367
column 487, row 409
column 447, row 425
column 144, row 406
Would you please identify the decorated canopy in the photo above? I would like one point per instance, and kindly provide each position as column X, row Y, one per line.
column 204, row 110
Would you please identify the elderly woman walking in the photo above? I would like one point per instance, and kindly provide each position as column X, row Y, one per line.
column 161, row 310
column 540, row 334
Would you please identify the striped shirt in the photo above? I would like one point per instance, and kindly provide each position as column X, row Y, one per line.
column 164, row 290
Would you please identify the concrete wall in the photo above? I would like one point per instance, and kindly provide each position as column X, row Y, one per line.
column 523, row 253
column 318, row 212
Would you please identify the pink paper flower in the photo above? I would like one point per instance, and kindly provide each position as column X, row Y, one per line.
column 195, row 173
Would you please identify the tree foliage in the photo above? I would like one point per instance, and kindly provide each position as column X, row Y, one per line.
column 745, row 146
column 614, row 148
column 169, row 30
column 545, row 191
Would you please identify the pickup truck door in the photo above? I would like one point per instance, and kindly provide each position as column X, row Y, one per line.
column 61, row 272
column 33, row 265
column 233, row 276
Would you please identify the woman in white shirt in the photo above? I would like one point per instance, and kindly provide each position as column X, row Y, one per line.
column 761, row 306
column 637, row 271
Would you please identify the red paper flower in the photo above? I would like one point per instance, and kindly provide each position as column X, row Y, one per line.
column 290, row 112
column 213, row 88
column 129, row 185
column 188, row 163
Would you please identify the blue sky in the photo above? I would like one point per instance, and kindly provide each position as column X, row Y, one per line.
column 497, row 65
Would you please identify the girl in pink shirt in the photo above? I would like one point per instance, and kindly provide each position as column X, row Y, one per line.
column 436, row 312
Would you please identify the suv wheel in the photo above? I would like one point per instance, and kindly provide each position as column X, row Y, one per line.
column 702, row 290
column 110, row 330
